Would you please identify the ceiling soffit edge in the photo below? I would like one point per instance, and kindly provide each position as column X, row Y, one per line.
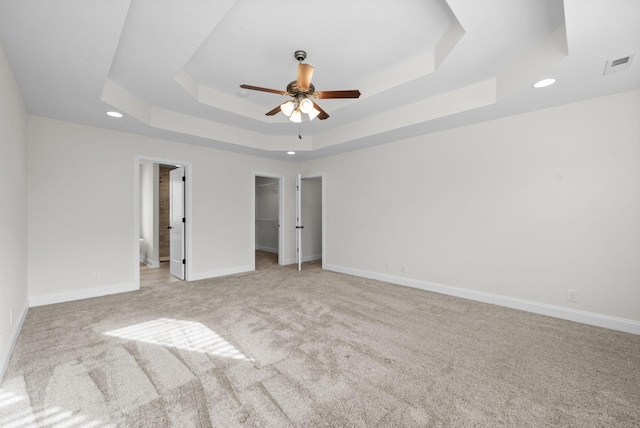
column 533, row 63
column 123, row 100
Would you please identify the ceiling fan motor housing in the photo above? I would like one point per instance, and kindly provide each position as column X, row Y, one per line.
column 296, row 92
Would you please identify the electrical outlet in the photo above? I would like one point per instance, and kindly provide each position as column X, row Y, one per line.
column 96, row 276
column 403, row 268
column 572, row 295
column 387, row 266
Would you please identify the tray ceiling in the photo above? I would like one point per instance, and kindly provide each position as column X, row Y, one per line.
column 173, row 68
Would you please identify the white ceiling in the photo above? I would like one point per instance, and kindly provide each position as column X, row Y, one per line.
column 174, row 67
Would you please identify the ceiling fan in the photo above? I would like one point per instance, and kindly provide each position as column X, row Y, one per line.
column 301, row 90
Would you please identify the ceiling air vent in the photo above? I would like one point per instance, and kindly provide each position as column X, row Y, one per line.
column 620, row 64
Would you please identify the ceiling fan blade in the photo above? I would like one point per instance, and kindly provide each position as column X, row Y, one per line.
column 273, row 112
column 258, row 88
column 323, row 95
column 305, row 71
column 323, row 114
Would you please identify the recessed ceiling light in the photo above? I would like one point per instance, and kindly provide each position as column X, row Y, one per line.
column 114, row 114
column 291, row 152
column 544, row 83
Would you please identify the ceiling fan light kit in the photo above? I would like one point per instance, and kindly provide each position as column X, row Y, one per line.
column 296, row 116
column 301, row 90
column 287, row 108
column 313, row 114
column 306, row 106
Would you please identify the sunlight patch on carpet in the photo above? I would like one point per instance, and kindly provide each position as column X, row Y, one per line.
column 186, row 335
column 44, row 416
column 8, row 398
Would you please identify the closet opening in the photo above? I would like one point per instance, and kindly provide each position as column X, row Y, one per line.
column 268, row 246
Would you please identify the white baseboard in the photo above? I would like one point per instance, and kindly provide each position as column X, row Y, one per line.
column 584, row 317
column 220, row 272
column 311, row 257
column 86, row 293
column 267, row 249
column 304, row 259
column 149, row 262
column 13, row 337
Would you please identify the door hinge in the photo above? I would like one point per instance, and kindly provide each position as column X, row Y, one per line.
column 183, row 219
column 184, row 261
column 184, row 178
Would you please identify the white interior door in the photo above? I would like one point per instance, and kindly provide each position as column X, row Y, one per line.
column 176, row 223
column 299, row 226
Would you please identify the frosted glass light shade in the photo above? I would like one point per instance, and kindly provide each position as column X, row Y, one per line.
column 296, row 116
column 306, row 105
column 313, row 113
column 287, row 108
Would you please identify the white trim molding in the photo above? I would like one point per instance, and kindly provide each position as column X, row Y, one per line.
column 221, row 272
column 13, row 337
column 267, row 249
column 311, row 257
column 584, row 317
column 149, row 262
column 85, row 293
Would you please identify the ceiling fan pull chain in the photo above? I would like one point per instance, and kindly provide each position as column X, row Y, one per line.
column 299, row 132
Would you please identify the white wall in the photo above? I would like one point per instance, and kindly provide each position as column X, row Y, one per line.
column 149, row 213
column 13, row 211
column 90, row 200
column 514, row 211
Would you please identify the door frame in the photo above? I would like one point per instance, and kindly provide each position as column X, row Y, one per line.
column 137, row 161
column 281, row 217
column 299, row 225
column 177, row 227
column 323, row 179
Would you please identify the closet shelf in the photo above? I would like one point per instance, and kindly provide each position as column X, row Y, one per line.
column 267, row 188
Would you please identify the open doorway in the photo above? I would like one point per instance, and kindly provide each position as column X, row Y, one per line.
column 309, row 225
column 162, row 220
column 268, row 217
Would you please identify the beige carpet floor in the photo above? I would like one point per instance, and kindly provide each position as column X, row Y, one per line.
column 282, row 348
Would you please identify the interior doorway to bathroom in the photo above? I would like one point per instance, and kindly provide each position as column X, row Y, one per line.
column 162, row 220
